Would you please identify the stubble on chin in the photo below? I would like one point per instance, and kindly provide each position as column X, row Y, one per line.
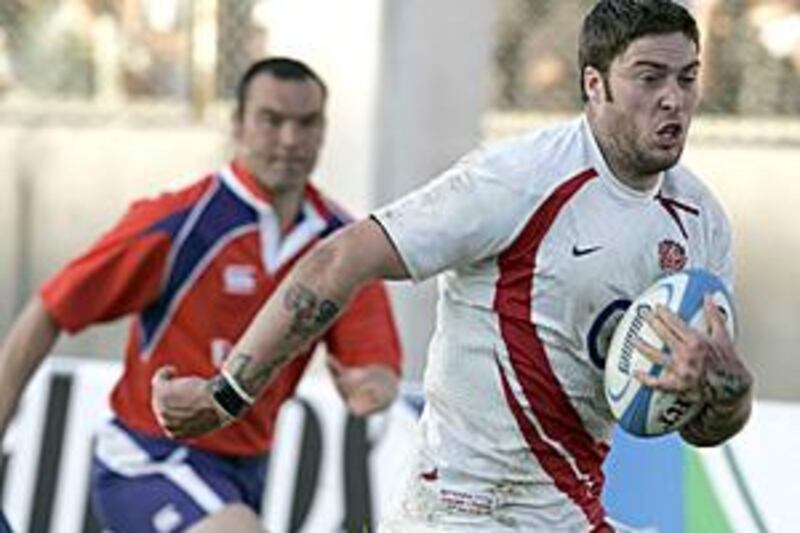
column 655, row 163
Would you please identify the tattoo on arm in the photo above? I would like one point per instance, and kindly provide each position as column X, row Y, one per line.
column 724, row 385
column 726, row 409
column 309, row 315
column 252, row 376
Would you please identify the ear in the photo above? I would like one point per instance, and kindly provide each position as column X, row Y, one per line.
column 593, row 85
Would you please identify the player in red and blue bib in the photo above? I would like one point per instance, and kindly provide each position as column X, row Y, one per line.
column 193, row 267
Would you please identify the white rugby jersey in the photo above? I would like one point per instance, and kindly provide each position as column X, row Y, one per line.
column 540, row 249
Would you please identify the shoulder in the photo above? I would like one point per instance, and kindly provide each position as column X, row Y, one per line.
column 332, row 213
column 179, row 198
column 683, row 183
column 536, row 159
column 149, row 211
column 327, row 206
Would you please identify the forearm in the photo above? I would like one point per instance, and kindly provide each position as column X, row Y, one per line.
column 30, row 339
column 306, row 304
column 728, row 399
column 717, row 423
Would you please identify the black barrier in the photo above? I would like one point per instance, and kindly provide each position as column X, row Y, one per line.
column 357, row 507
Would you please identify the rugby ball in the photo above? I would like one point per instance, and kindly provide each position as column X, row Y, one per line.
column 642, row 410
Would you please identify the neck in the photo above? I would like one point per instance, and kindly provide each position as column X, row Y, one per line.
column 286, row 204
column 620, row 160
column 285, row 200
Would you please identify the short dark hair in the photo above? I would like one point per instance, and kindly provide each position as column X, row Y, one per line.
column 612, row 25
column 282, row 68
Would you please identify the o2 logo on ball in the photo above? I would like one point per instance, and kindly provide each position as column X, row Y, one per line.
column 624, row 365
column 675, row 412
column 599, row 337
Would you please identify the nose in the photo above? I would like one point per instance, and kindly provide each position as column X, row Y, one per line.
column 289, row 133
column 672, row 96
column 669, row 99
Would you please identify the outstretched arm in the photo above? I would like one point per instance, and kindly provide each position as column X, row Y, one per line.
column 302, row 308
column 29, row 340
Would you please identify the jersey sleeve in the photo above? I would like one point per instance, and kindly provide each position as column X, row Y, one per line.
column 366, row 333
column 120, row 273
column 465, row 214
column 721, row 259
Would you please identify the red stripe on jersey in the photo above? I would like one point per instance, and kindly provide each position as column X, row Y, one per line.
column 553, row 462
column 327, row 207
column 550, row 405
column 671, row 206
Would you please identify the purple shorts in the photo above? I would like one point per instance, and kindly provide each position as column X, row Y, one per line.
column 4, row 527
column 141, row 483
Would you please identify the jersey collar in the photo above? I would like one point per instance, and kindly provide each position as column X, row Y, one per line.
column 277, row 249
column 255, row 192
column 616, row 185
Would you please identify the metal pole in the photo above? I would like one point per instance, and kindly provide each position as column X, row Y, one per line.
column 203, row 55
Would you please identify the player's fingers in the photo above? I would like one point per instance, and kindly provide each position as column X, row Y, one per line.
column 367, row 400
column 653, row 354
column 671, row 323
column 360, row 404
column 663, row 330
column 714, row 318
column 158, row 409
column 354, row 378
column 665, row 382
column 163, row 374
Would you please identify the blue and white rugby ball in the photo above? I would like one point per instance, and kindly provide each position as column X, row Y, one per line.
column 641, row 410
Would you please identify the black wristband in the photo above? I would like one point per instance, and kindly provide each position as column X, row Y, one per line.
column 226, row 397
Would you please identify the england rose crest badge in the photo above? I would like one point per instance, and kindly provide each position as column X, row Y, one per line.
column 671, row 256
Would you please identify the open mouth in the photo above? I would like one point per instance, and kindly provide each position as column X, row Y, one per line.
column 670, row 133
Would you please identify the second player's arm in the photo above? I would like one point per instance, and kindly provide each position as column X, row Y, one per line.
column 310, row 298
column 307, row 302
column 29, row 340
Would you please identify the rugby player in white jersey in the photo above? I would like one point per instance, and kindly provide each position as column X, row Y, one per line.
column 540, row 242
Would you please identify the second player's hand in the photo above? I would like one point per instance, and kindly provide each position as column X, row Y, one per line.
column 183, row 405
column 701, row 366
column 365, row 389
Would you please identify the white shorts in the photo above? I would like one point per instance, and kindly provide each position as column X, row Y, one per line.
column 431, row 499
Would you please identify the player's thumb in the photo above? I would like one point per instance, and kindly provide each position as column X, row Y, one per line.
column 163, row 374
column 715, row 319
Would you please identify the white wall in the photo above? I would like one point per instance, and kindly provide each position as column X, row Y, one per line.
column 759, row 189
column 407, row 87
column 434, row 91
column 408, row 82
column 341, row 41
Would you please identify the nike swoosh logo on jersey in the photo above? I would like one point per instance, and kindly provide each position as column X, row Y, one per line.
column 579, row 252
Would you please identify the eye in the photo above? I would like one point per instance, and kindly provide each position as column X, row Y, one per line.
column 310, row 121
column 649, row 77
column 271, row 120
column 688, row 79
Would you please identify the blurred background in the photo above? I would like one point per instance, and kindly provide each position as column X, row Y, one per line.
column 104, row 101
